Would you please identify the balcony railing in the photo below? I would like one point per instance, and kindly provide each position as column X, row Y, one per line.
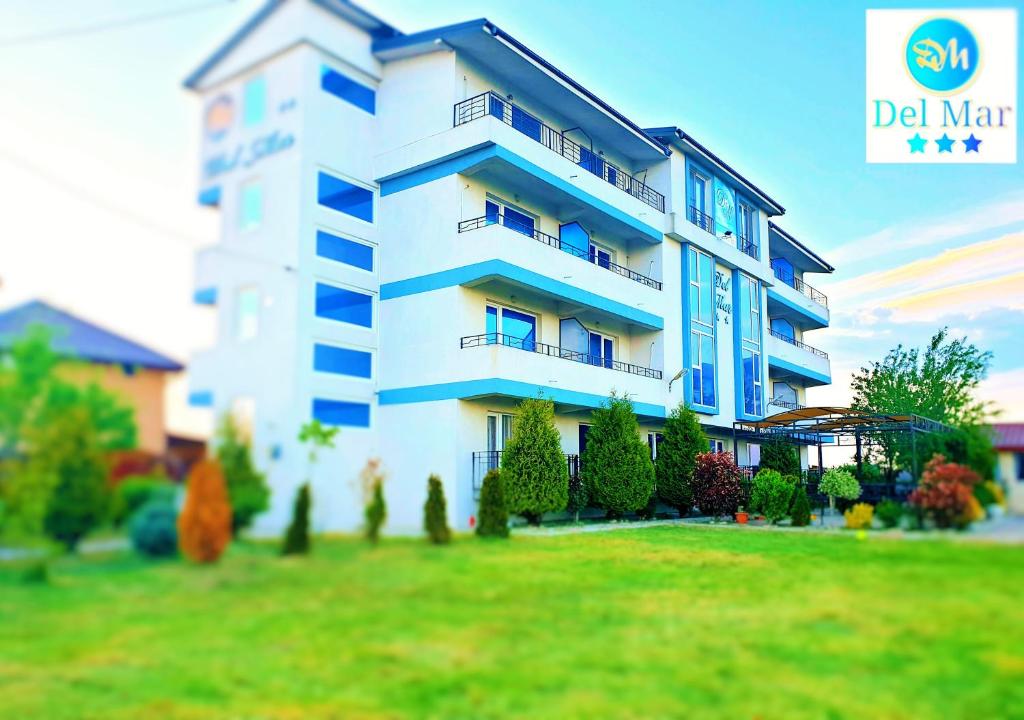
column 490, row 103
column 788, row 404
column 783, row 273
column 707, row 223
column 551, row 350
column 747, row 247
column 484, row 460
column 797, row 343
column 512, row 224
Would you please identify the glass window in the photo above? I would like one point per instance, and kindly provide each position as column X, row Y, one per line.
column 247, row 313
column 344, row 251
column 498, row 211
column 698, row 192
column 340, row 412
column 344, row 197
column 254, row 101
column 347, row 89
column 342, row 361
column 784, row 328
column 702, row 328
column 601, row 256
column 751, row 382
column 748, row 224
column 785, row 393
column 716, row 446
column 335, row 303
column 250, row 205
column 602, row 350
column 511, row 327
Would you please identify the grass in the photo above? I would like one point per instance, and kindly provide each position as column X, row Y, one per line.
column 646, row 623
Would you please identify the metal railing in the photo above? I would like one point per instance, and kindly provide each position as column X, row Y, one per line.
column 483, row 339
column 797, row 343
column 702, row 220
column 485, row 460
column 490, row 103
column 783, row 274
column 501, row 219
column 778, row 402
column 747, row 247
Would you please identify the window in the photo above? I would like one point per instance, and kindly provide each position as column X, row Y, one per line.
column 1019, row 457
column 200, row 398
column 748, row 223
column 511, row 327
column 698, row 192
column 498, row 212
column 347, row 89
column 344, row 197
column 348, row 306
column 716, row 446
column 601, row 350
column 602, row 256
column 250, row 205
column 784, row 328
column 342, row 361
column 340, row 412
column 785, row 395
column 247, row 313
column 702, row 329
column 254, row 101
column 750, row 337
column 499, row 430
column 344, row 251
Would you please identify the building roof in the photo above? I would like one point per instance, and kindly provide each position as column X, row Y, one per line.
column 811, row 255
column 1008, row 436
column 77, row 338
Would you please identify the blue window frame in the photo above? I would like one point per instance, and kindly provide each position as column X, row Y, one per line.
column 517, row 329
column 702, row 329
column 344, row 197
column 342, row 361
column 500, row 212
column 749, row 291
column 349, row 306
column 347, row 89
column 344, row 251
column 254, row 101
column 341, row 412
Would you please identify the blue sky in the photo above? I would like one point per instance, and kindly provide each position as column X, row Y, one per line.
column 101, row 124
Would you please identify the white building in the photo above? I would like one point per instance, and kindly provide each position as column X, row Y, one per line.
column 420, row 230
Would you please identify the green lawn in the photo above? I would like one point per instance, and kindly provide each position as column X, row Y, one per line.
column 646, row 623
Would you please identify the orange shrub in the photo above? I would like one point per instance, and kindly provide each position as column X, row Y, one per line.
column 204, row 525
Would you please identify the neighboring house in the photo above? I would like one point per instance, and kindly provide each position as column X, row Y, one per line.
column 420, row 230
column 1008, row 439
column 132, row 371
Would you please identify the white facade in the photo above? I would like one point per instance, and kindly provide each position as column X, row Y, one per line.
column 506, row 261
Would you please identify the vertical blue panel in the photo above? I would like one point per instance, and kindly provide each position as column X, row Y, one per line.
column 342, row 361
column 783, row 327
column 340, row 412
column 492, row 323
column 783, row 270
column 574, row 239
column 572, row 336
column 344, row 197
column 347, row 89
column 492, row 212
column 525, row 123
column 334, row 303
column 345, row 251
column 520, row 327
column 254, row 101
column 520, row 222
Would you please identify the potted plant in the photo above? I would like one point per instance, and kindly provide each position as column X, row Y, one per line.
column 741, row 515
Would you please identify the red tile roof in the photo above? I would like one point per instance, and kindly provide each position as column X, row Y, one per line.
column 1008, row 436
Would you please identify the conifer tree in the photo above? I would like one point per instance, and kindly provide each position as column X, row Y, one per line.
column 376, row 512
column 492, row 516
column 682, row 440
column 296, row 538
column 204, row 525
column 616, row 465
column 534, row 471
column 801, row 510
column 435, row 513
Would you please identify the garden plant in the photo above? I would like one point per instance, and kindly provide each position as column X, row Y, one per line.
column 682, row 440
column 946, row 493
column 716, row 484
column 204, row 525
column 247, row 487
column 296, row 537
column 435, row 513
column 616, row 464
column 535, row 475
column 839, row 483
column 492, row 515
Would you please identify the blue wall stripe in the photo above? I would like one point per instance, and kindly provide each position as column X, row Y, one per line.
column 510, row 388
column 205, row 296
column 460, row 162
column 818, row 321
column 500, row 268
column 798, row 370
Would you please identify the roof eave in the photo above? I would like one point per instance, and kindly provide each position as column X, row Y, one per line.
column 826, row 267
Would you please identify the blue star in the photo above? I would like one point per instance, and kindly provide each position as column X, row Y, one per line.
column 972, row 143
column 945, row 143
column 917, row 143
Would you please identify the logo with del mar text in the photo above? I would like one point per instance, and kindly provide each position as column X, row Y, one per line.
column 941, row 86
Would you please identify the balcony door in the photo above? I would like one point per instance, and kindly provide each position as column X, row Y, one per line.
column 499, row 430
column 498, row 212
column 602, row 349
column 510, row 327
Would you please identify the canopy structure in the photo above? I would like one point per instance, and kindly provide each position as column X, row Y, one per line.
column 828, row 425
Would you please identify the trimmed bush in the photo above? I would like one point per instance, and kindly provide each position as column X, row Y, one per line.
column 889, row 512
column 778, row 492
column 492, row 515
column 534, row 471
column 153, row 529
column 945, row 493
column 577, row 496
column 376, row 512
column 435, row 513
column 682, row 440
column 859, row 516
column 137, row 490
column 247, row 488
column 648, row 511
column 616, row 466
column 777, row 454
column 801, row 509
column 204, row 525
column 716, row 484
column 296, row 537
column 759, row 485
column 839, row 483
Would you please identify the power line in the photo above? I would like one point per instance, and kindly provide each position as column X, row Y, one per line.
column 109, row 25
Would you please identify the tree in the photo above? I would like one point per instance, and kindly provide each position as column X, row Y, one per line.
column 801, row 510
column 296, row 537
column 80, row 496
column 247, row 487
column 939, row 384
column 682, row 440
column 716, row 484
column 435, row 513
column 777, row 454
column 204, row 525
column 577, row 496
column 533, row 468
column 376, row 513
column 492, row 516
column 616, row 465
column 839, row 483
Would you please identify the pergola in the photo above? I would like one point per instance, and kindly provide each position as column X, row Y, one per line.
column 826, row 425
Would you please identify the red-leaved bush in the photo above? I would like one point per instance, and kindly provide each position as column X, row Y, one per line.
column 716, row 484
column 945, row 492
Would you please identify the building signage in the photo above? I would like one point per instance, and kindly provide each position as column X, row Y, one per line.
column 723, row 308
column 245, row 155
column 725, row 207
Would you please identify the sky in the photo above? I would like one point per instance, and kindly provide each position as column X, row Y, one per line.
column 99, row 162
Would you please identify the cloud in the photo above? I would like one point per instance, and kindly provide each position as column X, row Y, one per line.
column 1005, row 391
